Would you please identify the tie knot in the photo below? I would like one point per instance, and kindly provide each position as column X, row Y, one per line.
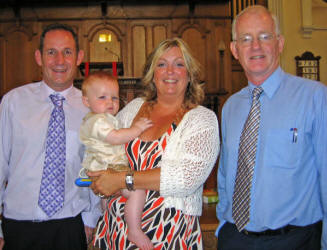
column 256, row 93
column 57, row 99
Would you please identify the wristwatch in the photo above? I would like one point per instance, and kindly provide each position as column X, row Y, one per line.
column 129, row 180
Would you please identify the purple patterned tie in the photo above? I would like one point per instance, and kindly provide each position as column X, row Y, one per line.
column 52, row 190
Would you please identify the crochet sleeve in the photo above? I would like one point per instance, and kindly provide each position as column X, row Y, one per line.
column 191, row 155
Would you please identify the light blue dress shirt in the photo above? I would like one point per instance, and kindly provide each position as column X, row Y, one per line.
column 24, row 117
column 290, row 175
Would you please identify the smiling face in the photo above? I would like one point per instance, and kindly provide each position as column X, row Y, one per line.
column 260, row 57
column 170, row 74
column 59, row 59
column 102, row 96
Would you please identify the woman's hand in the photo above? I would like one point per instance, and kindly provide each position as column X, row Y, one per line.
column 106, row 182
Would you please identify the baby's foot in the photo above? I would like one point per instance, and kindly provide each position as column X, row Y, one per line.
column 140, row 239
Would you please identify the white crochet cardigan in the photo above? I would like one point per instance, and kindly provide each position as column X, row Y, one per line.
column 190, row 154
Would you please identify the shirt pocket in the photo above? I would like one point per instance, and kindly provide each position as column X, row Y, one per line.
column 282, row 148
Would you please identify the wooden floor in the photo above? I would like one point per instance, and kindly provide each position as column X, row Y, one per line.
column 209, row 224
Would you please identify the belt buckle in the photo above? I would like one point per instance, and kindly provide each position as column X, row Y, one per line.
column 256, row 234
column 248, row 233
column 37, row 221
column 245, row 232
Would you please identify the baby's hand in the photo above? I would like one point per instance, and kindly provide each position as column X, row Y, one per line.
column 143, row 124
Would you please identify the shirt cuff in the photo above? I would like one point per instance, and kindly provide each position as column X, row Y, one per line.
column 90, row 219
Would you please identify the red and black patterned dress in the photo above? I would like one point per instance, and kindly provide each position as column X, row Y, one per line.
column 167, row 228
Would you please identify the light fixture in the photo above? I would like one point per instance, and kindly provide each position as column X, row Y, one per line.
column 221, row 46
column 104, row 38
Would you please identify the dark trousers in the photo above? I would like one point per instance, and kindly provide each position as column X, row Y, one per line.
column 302, row 238
column 62, row 234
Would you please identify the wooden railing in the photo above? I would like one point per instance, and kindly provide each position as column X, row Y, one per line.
column 237, row 6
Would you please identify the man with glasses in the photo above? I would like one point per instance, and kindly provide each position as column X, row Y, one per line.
column 273, row 164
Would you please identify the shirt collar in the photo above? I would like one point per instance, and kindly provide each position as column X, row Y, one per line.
column 271, row 84
column 47, row 91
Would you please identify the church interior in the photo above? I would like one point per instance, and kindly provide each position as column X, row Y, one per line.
column 118, row 35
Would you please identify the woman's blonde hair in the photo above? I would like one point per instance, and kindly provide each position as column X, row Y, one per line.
column 194, row 93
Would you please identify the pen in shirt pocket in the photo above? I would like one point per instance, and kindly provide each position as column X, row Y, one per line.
column 294, row 140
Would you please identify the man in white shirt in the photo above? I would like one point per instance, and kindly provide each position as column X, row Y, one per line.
column 24, row 117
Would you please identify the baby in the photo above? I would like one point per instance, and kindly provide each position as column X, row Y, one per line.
column 104, row 142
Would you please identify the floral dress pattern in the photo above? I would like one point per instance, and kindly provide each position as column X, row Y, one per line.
column 167, row 228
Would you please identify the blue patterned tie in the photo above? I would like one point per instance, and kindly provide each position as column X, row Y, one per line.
column 52, row 190
column 245, row 165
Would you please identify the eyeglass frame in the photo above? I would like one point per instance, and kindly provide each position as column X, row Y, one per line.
column 264, row 38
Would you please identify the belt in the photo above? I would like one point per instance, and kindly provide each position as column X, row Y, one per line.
column 270, row 232
column 42, row 221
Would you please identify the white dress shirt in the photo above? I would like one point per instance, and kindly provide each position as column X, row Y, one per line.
column 24, row 118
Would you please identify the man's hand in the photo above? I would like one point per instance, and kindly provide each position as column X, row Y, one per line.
column 88, row 233
column 2, row 243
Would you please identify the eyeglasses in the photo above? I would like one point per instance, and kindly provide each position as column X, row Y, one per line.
column 263, row 38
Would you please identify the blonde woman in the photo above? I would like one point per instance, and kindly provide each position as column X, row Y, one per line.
column 171, row 160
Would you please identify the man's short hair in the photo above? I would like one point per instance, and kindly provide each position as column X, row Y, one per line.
column 58, row 26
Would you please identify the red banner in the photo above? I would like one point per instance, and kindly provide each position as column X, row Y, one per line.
column 114, row 68
column 87, row 68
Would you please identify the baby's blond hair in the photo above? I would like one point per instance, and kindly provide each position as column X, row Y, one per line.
column 89, row 80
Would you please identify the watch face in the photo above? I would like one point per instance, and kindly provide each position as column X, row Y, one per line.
column 129, row 179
